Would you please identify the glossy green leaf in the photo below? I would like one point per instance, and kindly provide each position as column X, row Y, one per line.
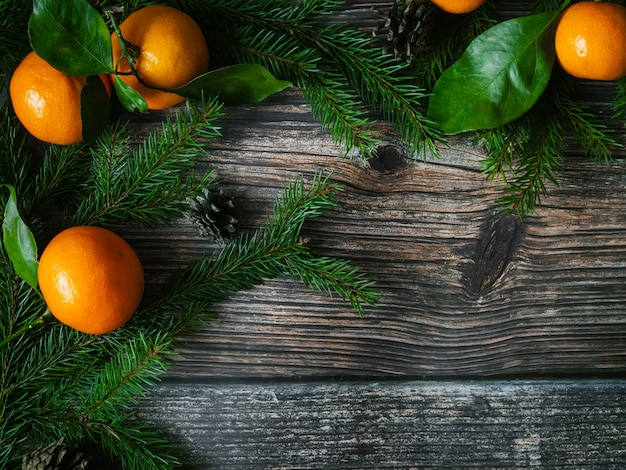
column 19, row 241
column 71, row 36
column 130, row 98
column 95, row 108
column 235, row 85
column 498, row 78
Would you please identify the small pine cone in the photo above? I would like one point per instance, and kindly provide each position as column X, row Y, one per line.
column 406, row 27
column 211, row 213
column 56, row 456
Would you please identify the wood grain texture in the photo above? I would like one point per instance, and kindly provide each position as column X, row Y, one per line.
column 547, row 300
column 396, row 425
column 467, row 293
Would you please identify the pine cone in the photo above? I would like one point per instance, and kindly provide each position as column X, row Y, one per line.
column 56, row 456
column 211, row 214
column 406, row 27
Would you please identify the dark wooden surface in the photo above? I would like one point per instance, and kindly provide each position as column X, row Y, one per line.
column 403, row 425
column 496, row 343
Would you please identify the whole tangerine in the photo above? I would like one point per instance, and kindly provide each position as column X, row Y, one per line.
column 91, row 279
column 47, row 101
column 459, row 7
column 590, row 40
column 172, row 51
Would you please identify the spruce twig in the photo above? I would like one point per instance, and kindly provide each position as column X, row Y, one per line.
column 56, row 382
column 246, row 261
column 527, row 153
column 14, row 16
column 291, row 40
column 151, row 190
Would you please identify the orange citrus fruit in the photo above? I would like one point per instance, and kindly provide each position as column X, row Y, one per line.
column 458, row 6
column 47, row 101
column 171, row 52
column 91, row 279
column 590, row 40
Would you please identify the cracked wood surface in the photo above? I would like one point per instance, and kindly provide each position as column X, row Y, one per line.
column 466, row 290
column 469, row 293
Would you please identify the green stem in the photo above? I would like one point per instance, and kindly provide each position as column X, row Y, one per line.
column 123, row 44
column 130, row 51
column 36, row 323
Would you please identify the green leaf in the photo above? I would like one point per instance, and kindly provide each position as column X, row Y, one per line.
column 498, row 78
column 235, row 85
column 71, row 36
column 130, row 98
column 95, row 108
column 19, row 241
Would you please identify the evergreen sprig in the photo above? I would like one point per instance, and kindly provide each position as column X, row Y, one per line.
column 527, row 154
column 151, row 190
column 14, row 16
column 443, row 38
column 271, row 251
column 57, row 382
column 341, row 71
column 84, row 387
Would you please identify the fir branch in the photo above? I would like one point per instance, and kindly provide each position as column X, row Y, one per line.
column 381, row 81
column 84, row 387
column 110, row 392
column 340, row 112
column 596, row 138
column 538, row 162
column 619, row 105
column 14, row 43
column 338, row 108
column 124, row 378
column 334, row 54
column 247, row 261
column 145, row 185
column 527, row 152
column 15, row 158
column 61, row 179
column 446, row 39
column 544, row 6
column 331, row 276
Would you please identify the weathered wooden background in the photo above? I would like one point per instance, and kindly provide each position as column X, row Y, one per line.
column 496, row 343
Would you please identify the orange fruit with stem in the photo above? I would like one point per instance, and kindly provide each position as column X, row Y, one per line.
column 458, row 6
column 91, row 279
column 590, row 40
column 48, row 102
column 169, row 50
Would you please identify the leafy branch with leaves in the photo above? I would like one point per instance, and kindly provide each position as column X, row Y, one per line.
column 508, row 87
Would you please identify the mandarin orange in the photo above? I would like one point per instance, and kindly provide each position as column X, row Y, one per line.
column 48, row 102
column 590, row 40
column 171, row 52
column 91, row 279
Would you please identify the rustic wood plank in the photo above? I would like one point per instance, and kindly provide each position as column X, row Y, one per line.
column 467, row 292
column 395, row 424
column 548, row 300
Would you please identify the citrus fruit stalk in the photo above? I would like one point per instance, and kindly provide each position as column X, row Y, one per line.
column 170, row 50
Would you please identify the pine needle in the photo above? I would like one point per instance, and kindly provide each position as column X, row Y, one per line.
column 145, row 184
